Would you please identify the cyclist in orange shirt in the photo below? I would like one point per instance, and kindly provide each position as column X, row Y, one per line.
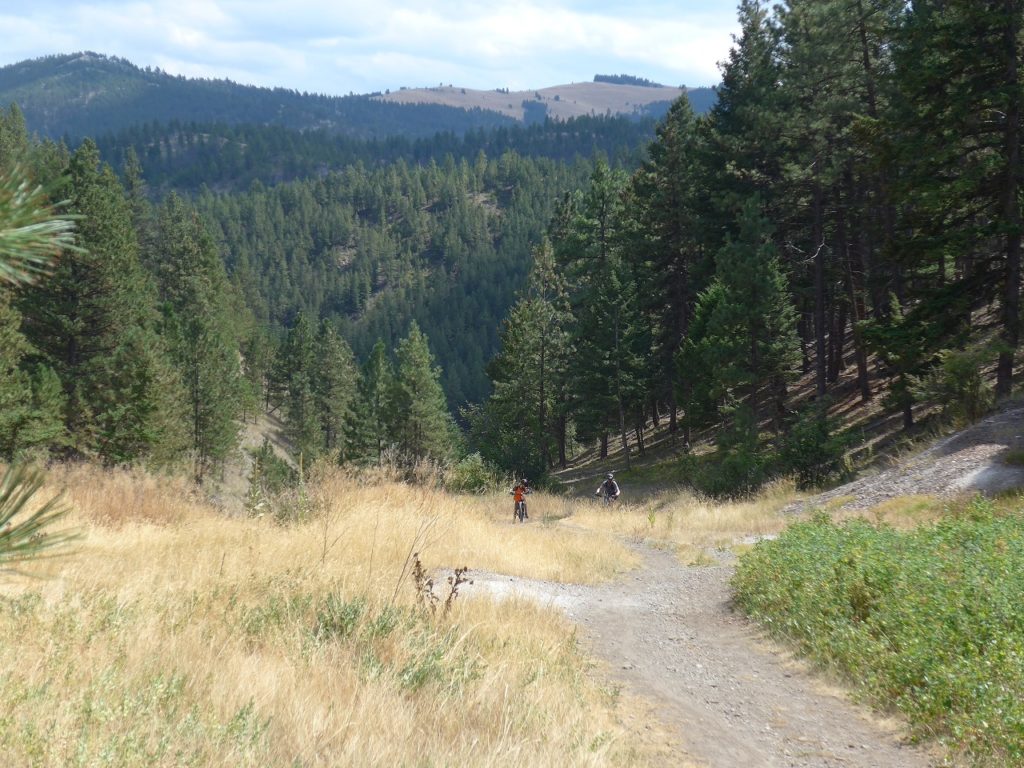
column 519, row 496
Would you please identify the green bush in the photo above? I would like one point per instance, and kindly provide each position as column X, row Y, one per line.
column 958, row 383
column 812, row 450
column 471, row 475
column 272, row 474
column 929, row 622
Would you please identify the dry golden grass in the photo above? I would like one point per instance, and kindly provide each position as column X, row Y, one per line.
column 691, row 524
column 173, row 636
column 902, row 512
column 913, row 510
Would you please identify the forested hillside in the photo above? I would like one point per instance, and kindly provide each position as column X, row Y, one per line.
column 852, row 202
column 368, row 250
column 360, row 301
column 849, row 210
column 88, row 94
column 187, row 156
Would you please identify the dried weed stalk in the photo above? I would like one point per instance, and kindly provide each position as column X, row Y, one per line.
column 424, row 586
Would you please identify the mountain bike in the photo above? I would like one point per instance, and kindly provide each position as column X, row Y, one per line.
column 519, row 511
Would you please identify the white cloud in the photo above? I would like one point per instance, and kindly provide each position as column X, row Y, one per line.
column 342, row 45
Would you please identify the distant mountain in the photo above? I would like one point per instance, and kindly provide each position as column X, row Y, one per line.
column 89, row 94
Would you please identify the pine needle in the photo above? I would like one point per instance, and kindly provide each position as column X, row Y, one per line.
column 32, row 233
column 27, row 538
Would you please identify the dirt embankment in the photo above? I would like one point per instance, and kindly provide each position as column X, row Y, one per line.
column 984, row 458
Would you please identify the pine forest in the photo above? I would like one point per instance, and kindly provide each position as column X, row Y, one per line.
column 847, row 214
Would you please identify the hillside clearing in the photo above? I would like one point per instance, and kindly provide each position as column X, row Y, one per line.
column 562, row 102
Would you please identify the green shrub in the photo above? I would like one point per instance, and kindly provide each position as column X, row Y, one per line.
column 958, row 383
column 812, row 450
column 270, row 473
column 337, row 619
column 471, row 475
column 929, row 622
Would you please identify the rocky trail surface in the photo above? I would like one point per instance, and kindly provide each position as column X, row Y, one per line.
column 670, row 636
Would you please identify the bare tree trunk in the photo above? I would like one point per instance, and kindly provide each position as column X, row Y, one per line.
column 852, row 258
column 641, row 419
column 819, row 286
column 618, row 392
column 803, row 331
column 837, row 343
column 545, row 450
column 1011, row 206
column 563, row 428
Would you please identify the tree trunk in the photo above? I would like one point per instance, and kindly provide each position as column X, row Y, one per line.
column 908, row 412
column 1011, row 205
column 545, row 451
column 819, row 286
column 803, row 331
column 563, row 428
column 618, row 391
column 837, row 339
column 673, row 406
column 852, row 259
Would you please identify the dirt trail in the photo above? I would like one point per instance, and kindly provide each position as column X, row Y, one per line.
column 733, row 698
column 671, row 637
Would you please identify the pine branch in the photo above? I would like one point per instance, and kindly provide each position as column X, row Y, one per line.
column 31, row 232
column 23, row 534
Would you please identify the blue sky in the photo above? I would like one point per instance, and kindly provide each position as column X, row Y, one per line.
column 342, row 46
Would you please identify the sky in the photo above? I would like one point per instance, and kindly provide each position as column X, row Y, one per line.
column 359, row 46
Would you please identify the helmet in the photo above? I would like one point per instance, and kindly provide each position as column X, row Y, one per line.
column 609, row 476
column 525, row 481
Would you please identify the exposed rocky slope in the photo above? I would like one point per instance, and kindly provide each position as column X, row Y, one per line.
column 983, row 458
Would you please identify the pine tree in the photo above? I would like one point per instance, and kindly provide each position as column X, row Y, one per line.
column 194, row 292
column 31, row 404
column 957, row 138
column 95, row 317
column 747, row 330
column 377, row 388
column 297, row 364
column 422, row 427
column 610, row 340
column 519, row 427
column 30, row 234
column 336, row 389
column 669, row 251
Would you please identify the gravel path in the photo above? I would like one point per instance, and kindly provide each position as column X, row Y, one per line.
column 670, row 636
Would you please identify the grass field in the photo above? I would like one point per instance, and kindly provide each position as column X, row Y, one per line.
column 690, row 524
column 171, row 635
